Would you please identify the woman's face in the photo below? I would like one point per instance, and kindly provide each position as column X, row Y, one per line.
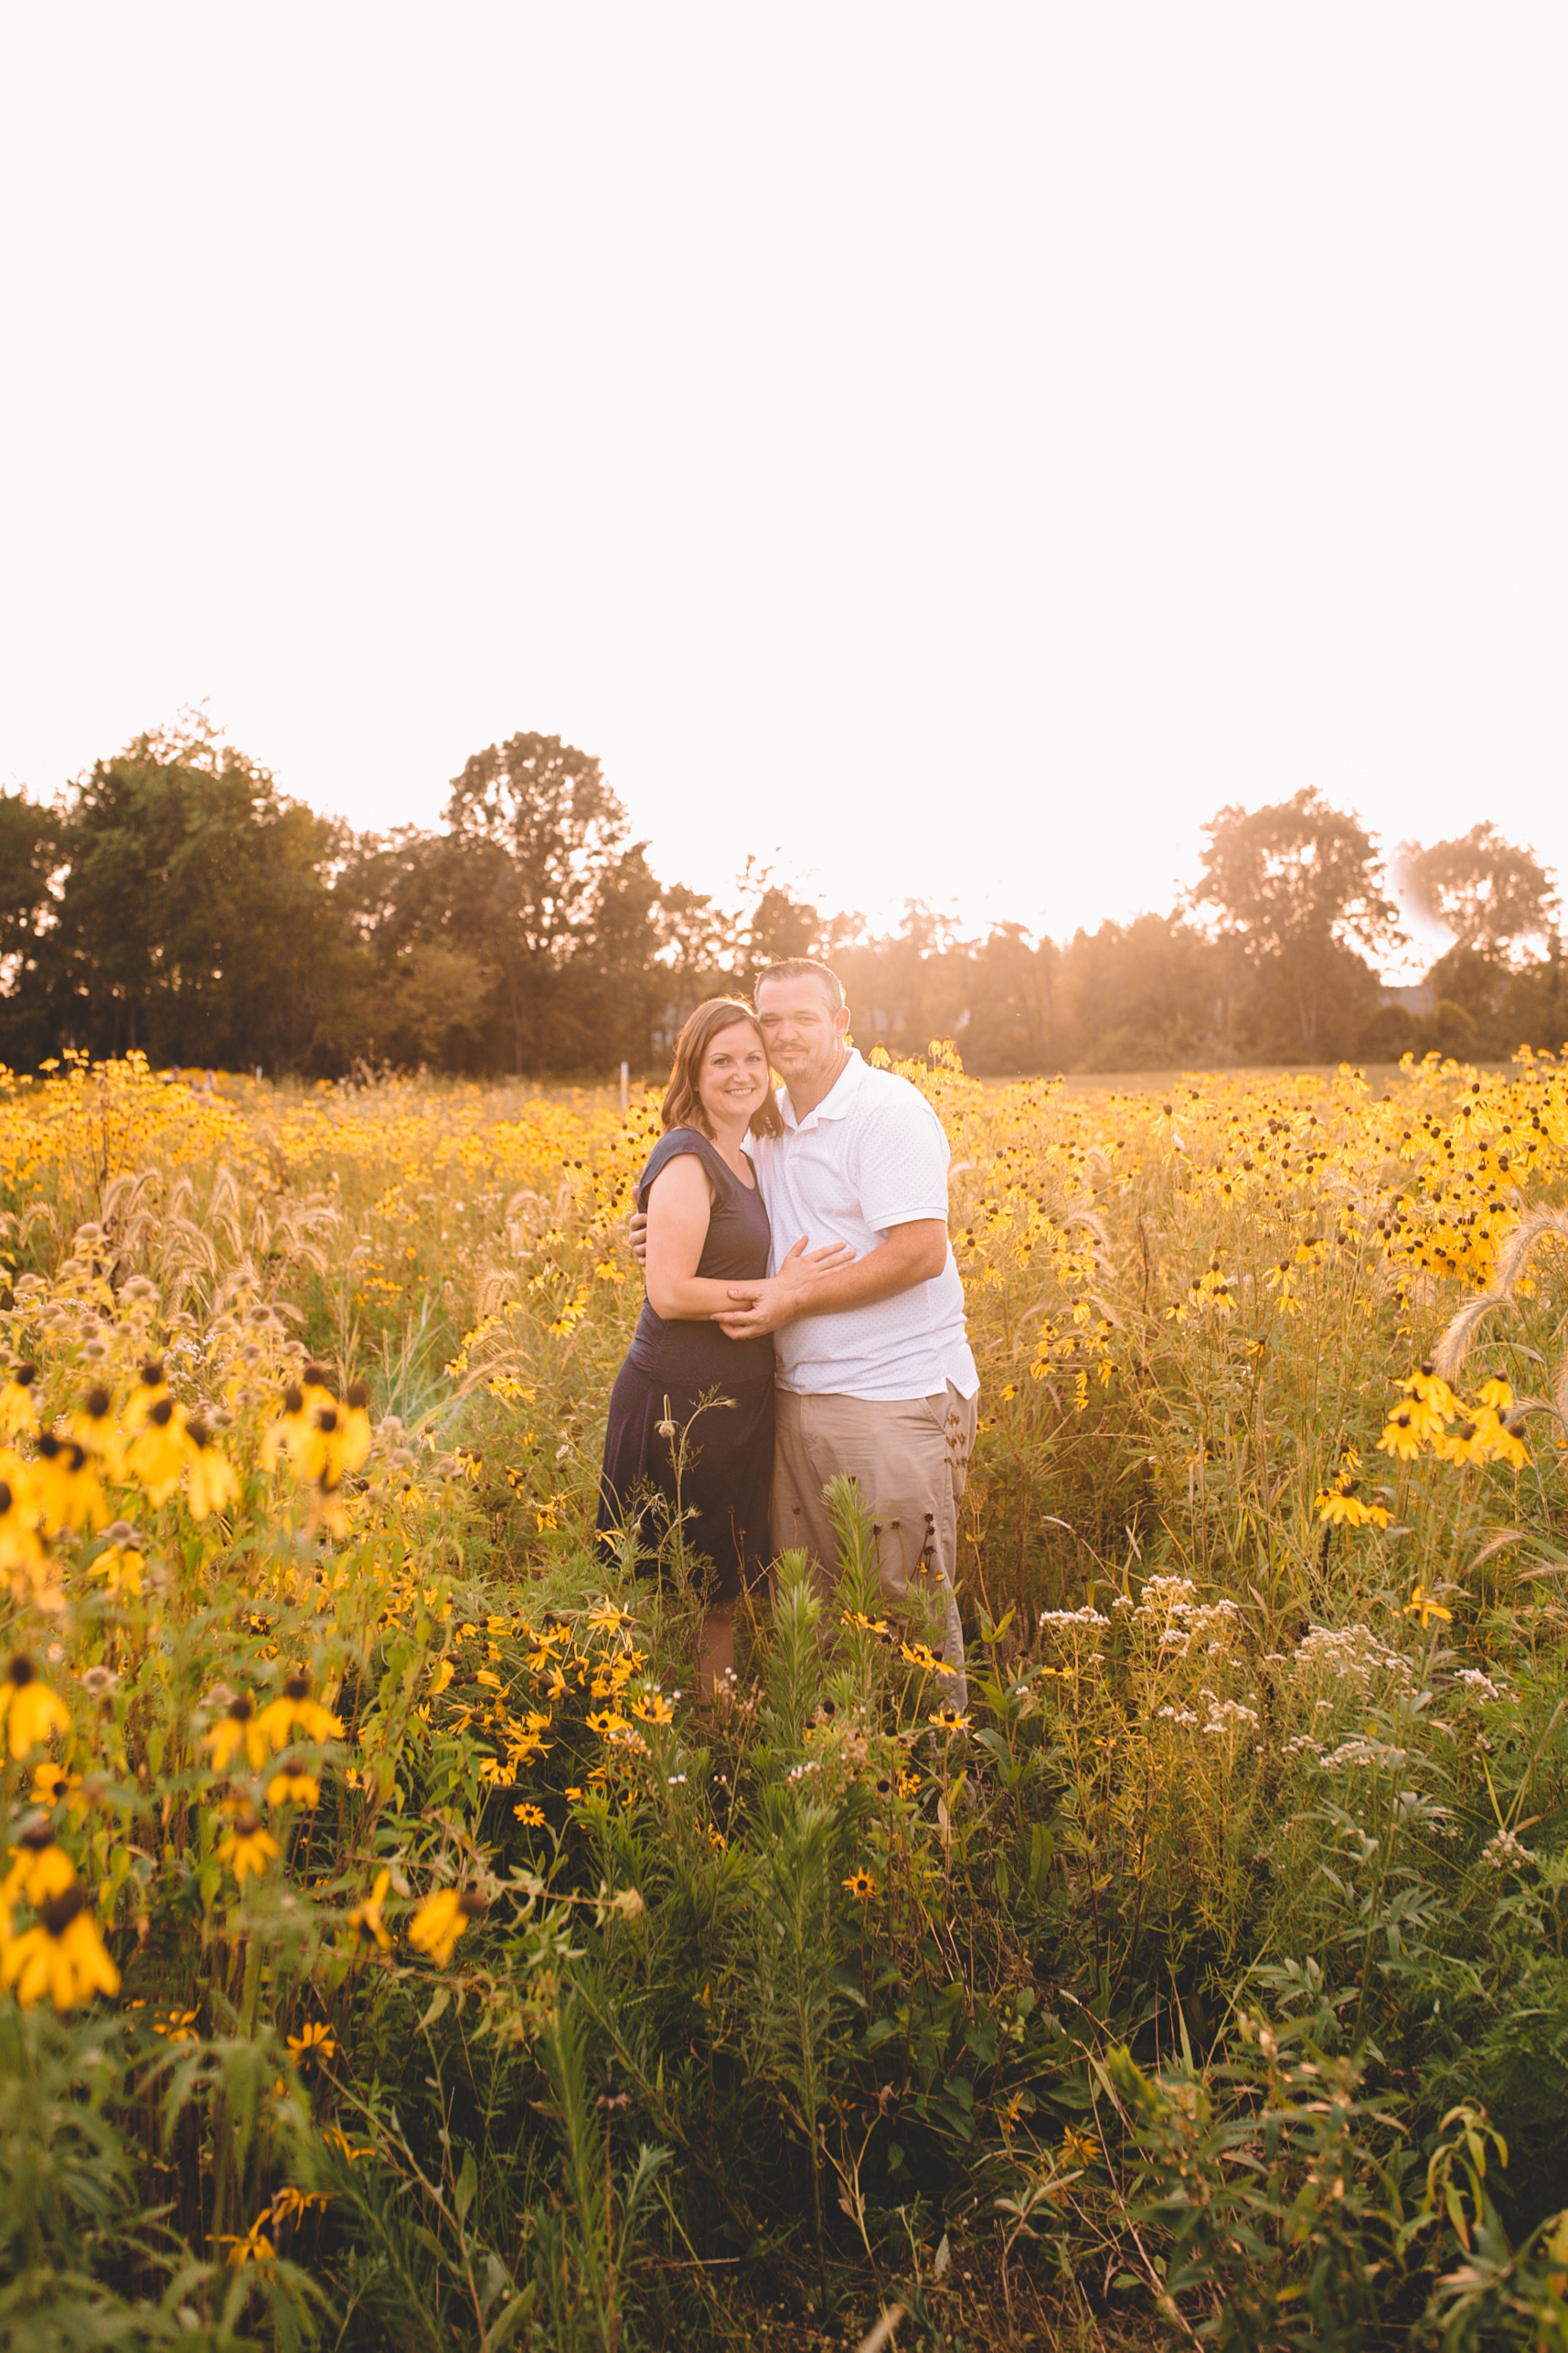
column 733, row 1079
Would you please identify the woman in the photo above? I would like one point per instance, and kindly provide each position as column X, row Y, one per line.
column 685, row 1390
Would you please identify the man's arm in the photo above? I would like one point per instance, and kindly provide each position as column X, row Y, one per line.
column 911, row 1254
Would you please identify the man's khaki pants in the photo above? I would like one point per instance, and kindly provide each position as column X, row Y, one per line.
column 910, row 1456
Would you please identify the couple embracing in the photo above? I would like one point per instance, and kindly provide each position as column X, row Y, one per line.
column 798, row 1265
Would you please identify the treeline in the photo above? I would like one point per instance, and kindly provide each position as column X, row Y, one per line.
column 177, row 902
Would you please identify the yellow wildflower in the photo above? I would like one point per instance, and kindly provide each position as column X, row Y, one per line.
column 66, row 1485
column 28, row 1708
column 294, row 1709
column 315, row 2041
column 212, row 1483
column 365, row 1926
column 62, row 1956
column 239, row 1726
column 292, row 1787
column 249, row 1846
column 441, row 1919
column 40, row 1869
column 1422, row 1606
column 18, row 1406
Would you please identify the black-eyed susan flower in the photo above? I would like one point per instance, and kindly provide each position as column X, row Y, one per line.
column 921, row 1655
column 156, row 1457
column 19, row 1404
column 28, row 1708
column 1436, row 1394
column 364, row 1927
column 238, row 1727
column 52, row 1785
column 530, row 1816
column 1403, row 1436
column 41, row 1868
column 65, row 1484
column 861, row 1886
column 315, row 2041
column 176, row 2026
column 21, row 1553
column 211, row 1484
column 290, row 1434
column 1495, row 1392
column 653, row 1707
column 150, row 1390
column 248, row 1848
column 295, row 1710
column 441, row 1919
column 1422, row 1608
column 294, row 1787
column 62, row 1956
column 94, row 1426
column 329, row 1511
column 121, row 1563
column 948, row 1719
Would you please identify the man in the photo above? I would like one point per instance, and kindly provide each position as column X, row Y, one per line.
column 876, row 1381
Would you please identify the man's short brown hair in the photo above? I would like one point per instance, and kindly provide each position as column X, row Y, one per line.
column 804, row 968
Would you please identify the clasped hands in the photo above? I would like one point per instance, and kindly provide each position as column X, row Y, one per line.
column 773, row 1300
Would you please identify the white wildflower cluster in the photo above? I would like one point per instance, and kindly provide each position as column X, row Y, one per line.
column 1066, row 1617
column 1505, row 1853
column 1175, row 1716
column 1304, row 1745
column 1123, row 1601
column 1480, row 1686
column 1227, row 1716
column 1185, row 1623
column 1364, row 1750
column 1350, row 1654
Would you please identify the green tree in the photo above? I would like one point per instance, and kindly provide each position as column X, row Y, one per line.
column 537, row 833
column 195, row 918
column 31, row 839
column 1491, row 895
column 1300, row 888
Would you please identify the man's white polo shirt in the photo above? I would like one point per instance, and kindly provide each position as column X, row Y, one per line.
column 871, row 1156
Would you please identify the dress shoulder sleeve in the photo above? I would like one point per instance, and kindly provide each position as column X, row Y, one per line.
column 671, row 1146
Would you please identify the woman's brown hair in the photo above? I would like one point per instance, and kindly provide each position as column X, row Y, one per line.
column 683, row 1101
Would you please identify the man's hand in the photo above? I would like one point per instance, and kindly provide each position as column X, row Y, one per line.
column 773, row 1300
column 637, row 1234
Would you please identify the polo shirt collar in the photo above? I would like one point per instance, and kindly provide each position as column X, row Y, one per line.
column 835, row 1104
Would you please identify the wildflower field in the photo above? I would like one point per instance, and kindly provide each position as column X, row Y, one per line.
column 390, row 1956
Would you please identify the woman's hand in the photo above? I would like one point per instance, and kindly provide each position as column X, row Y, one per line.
column 760, row 1308
column 799, row 1264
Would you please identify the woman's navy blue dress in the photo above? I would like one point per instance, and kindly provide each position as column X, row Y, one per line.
column 728, row 1467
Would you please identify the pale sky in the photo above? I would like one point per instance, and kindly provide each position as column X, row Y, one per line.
column 961, row 447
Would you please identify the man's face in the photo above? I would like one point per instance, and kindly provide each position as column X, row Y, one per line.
column 804, row 1037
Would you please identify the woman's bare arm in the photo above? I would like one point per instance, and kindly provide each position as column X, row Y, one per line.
column 680, row 1203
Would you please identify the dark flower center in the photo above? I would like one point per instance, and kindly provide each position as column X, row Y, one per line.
column 21, row 1670
column 162, row 1412
column 57, row 1914
column 97, row 1404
